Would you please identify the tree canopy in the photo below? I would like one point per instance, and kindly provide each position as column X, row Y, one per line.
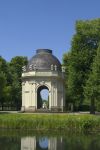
column 83, row 51
column 92, row 88
column 10, row 81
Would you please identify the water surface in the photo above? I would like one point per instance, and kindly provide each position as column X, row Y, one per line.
column 17, row 140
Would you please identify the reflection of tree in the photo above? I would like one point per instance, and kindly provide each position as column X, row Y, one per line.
column 95, row 144
column 81, row 142
column 10, row 143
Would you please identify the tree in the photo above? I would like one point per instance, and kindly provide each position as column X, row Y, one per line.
column 3, row 65
column 10, row 80
column 83, row 50
column 16, row 92
column 15, row 66
column 7, row 95
column 66, row 64
column 92, row 89
column 3, row 76
column 2, row 86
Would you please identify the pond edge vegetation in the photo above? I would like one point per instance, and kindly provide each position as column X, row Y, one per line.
column 53, row 122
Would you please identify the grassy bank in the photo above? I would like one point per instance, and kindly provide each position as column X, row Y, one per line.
column 76, row 123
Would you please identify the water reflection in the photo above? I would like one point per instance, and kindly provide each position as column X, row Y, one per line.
column 41, row 143
column 48, row 142
column 60, row 143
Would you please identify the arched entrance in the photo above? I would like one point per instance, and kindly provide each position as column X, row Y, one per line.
column 43, row 97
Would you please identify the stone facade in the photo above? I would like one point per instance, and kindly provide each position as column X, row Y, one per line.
column 34, row 80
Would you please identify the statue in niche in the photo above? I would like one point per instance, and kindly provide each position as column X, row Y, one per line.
column 35, row 67
column 30, row 67
column 52, row 67
column 55, row 68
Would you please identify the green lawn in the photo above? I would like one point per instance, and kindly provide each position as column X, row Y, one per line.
column 75, row 123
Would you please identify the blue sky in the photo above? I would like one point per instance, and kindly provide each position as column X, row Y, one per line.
column 26, row 25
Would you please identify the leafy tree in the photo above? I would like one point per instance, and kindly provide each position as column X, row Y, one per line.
column 3, row 65
column 66, row 64
column 2, row 86
column 16, row 65
column 7, row 95
column 16, row 92
column 92, row 89
column 10, row 80
column 3, row 81
column 83, row 50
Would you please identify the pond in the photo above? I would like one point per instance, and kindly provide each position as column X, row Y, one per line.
column 19, row 140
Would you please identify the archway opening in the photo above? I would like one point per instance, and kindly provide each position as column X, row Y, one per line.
column 43, row 97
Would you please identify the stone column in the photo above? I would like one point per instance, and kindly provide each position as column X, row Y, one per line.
column 23, row 97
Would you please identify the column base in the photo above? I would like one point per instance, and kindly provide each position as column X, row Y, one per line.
column 57, row 109
column 28, row 109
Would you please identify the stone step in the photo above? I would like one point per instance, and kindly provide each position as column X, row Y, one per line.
column 42, row 110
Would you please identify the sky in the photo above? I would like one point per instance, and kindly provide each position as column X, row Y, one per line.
column 27, row 25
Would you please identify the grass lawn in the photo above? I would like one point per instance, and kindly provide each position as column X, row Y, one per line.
column 74, row 123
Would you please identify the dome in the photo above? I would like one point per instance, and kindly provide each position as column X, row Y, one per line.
column 43, row 60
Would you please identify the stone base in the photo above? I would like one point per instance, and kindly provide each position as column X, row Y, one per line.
column 57, row 109
column 28, row 109
column 23, row 109
column 33, row 109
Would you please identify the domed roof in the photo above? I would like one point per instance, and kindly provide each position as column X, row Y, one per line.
column 43, row 60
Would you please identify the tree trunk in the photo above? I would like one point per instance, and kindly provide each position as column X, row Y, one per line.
column 92, row 107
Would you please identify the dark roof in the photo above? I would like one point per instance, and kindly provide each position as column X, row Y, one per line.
column 43, row 60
